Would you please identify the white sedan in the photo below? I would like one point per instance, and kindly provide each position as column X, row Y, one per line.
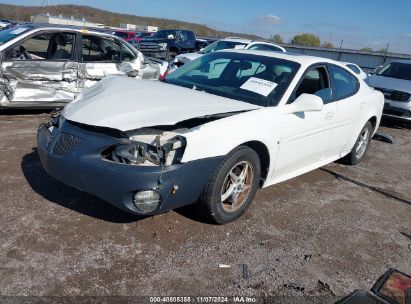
column 212, row 133
column 225, row 44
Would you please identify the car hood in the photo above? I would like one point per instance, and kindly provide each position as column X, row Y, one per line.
column 128, row 104
column 382, row 82
column 185, row 58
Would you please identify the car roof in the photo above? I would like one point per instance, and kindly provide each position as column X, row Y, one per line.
column 304, row 60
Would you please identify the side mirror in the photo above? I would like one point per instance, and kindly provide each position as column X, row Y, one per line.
column 305, row 103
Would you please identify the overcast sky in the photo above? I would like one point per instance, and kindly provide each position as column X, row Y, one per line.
column 360, row 23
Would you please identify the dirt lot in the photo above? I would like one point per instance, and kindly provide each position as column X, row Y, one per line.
column 326, row 233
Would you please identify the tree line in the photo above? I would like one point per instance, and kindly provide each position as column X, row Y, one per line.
column 308, row 39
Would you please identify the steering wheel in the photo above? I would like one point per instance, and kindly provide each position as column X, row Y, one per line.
column 23, row 53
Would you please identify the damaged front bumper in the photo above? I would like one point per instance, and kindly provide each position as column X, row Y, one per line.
column 74, row 156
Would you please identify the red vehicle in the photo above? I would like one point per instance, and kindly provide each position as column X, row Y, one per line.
column 126, row 35
column 131, row 36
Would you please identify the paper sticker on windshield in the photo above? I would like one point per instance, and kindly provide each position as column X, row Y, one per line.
column 259, row 86
column 19, row 30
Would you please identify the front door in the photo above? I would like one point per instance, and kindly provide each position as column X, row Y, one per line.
column 306, row 135
column 42, row 69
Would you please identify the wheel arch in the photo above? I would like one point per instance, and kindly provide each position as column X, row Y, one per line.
column 373, row 120
column 264, row 155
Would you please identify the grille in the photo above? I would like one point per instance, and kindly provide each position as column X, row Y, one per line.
column 66, row 144
column 395, row 95
column 148, row 47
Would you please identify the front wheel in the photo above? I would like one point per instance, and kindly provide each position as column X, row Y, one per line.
column 232, row 187
column 361, row 146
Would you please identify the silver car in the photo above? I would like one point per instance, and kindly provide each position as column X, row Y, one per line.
column 394, row 81
column 48, row 66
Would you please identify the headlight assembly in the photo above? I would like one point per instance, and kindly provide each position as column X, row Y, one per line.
column 143, row 154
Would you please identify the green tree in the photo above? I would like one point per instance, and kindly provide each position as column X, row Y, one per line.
column 366, row 49
column 278, row 39
column 328, row 45
column 306, row 39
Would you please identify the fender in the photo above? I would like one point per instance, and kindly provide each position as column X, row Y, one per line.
column 206, row 140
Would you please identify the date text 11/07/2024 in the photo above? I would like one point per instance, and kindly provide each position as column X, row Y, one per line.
column 202, row 299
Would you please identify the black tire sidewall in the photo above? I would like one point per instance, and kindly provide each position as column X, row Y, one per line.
column 213, row 196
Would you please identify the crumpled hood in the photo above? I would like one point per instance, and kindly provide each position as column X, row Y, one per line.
column 382, row 82
column 185, row 58
column 127, row 104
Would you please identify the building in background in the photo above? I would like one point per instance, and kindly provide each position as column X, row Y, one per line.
column 138, row 28
column 61, row 20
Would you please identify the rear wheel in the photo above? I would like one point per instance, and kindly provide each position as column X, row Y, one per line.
column 361, row 146
column 232, row 186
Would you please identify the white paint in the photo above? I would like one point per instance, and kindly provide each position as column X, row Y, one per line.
column 126, row 104
column 297, row 142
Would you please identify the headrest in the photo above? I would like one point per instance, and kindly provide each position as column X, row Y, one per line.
column 60, row 40
column 245, row 65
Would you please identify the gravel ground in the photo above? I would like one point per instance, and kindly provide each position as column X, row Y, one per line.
column 323, row 234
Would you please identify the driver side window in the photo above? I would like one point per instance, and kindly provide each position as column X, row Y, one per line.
column 316, row 82
column 44, row 46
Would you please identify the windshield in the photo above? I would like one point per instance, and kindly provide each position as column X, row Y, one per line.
column 7, row 35
column 221, row 45
column 164, row 34
column 396, row 70
column 255, row 79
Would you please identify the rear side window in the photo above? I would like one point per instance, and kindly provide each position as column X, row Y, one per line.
column 255, row 47
column 354, row 68
column 99, row 49
column 272, row 48
column 344, row 84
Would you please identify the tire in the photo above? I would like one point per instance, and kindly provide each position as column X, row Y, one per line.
column 361, row 146
column 171, row 55
column 238, row 188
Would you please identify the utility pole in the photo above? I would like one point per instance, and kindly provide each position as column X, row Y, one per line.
column 386, row 51
column 339, row 54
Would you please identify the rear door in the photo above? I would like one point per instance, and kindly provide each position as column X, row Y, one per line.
column 101, row 56
column 349, row 107
column 42, row 69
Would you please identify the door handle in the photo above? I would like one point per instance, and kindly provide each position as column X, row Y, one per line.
column 329, row 116
column 363, row 105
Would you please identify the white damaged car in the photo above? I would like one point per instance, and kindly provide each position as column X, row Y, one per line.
column 212, row 133
column 47, row 66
